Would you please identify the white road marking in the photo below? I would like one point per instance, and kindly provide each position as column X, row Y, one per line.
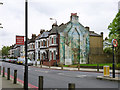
column 42, row 71
column 79, row 76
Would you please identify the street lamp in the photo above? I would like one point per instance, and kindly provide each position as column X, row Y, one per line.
column 1, row 3
column 54, row 19
column 0, row 23
column 56, row 38
column 1, row 26
column 26, row 37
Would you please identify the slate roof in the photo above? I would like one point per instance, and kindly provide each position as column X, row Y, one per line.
column 92, row 33
column 59, row 28
column 37, row 38
column 44, row 34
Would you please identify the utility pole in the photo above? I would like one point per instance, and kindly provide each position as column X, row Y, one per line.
column 26, row 37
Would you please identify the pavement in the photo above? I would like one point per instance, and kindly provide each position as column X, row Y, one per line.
column 8, row 84
column 108, row 78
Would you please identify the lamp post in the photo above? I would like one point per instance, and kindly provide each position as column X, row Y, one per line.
column 26, row 37
column 1, row 26
column 57, row 50
column 1, row 23
column 1, row 3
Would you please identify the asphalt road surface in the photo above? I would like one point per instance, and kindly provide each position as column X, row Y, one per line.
column 60, row 78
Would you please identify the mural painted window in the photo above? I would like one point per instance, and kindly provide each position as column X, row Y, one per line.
column 54, row 53
column 54, row 39
column 50, row 55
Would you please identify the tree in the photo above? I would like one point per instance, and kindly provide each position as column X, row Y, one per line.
column 5, row 50
column 114, row 28
column 108, row 50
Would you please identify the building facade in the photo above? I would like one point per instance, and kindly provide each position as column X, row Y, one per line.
column 31, row 48
column 22, row 51
column 65, row 44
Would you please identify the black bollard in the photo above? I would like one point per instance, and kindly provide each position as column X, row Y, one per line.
column 0, row 70
column 40, row 86
column 15, row 77
column 71, row 86
column 8, row 74
column 78, row 67
column 3, row 71
column 97, row 67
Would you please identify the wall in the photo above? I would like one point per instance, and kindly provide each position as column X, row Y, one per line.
column 96, row 45
column 102, row 58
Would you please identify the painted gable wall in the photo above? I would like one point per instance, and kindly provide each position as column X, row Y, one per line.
column 74, row 44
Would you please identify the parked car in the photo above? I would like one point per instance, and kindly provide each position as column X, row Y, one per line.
column 6, row 60
column 29, row 62
column 13, row 60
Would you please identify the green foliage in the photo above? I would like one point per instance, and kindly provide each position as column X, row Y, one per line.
column 114, row 28
column 38, row 59
column 108, row 50
column 5, row 50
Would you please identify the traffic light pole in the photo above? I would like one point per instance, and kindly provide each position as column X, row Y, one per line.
column 26, row 37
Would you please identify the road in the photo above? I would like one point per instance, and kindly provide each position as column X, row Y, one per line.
column 60, row 78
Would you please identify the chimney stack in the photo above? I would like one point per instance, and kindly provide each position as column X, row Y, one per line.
column 87, row 28
column 33, row 36
column 74, row 17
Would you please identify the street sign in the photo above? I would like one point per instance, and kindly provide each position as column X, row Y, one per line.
column 19, row 40
column 114, row 42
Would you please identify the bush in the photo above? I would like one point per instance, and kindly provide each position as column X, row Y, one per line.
column 108, row 50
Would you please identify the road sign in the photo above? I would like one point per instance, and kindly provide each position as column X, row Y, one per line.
column 114, row 42
column 19, row 40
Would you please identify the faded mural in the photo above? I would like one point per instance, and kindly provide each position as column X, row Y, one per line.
column 74, row 44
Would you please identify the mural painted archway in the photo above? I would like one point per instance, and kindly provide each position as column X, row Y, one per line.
column 72, row 47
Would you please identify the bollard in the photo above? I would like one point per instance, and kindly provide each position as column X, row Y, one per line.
column 0, row 70
column 8, row 74
column 97, row 67
column 15, row 77
column 78, row 67
column 62, row 66
column 3, row 71
column 71, row 86
column 40, row 83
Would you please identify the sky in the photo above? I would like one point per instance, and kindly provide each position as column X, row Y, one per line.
column 97, row 14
